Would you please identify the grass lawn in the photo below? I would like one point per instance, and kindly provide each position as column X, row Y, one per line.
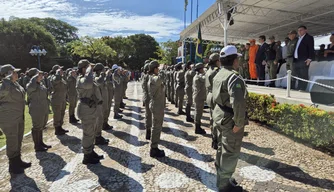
column 27, row 125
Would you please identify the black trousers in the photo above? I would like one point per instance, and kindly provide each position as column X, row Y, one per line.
column 300, row 69
column 261, row 71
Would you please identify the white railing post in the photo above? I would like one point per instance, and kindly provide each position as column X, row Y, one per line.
column 288, row 84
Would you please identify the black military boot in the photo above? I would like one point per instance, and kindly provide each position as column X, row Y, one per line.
column 59, row 131
column 101, row 141
column 23, row 164
column 231, row 188
column 37, row 142
column 73, row 120
column 189, row 118
column 96, row 156
column 117, row 116
column 148, row 134
column 106, row 126
column 156, row 152
column 181, row 112
column 199, row 130
column 40, row 135
column 14, row 165
column 214, row 145
column 90, row 159
column 64, row 130
column 172, row 102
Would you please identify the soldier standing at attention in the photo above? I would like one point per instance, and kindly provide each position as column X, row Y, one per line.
column 38, row 108
column 58, row 99
column 12, row 99
column 190, row 73
column 167, row 83
column 89, row 98
column 148, row 113
column 214, row 66
column 229, row 115
column 144, row 73
column 100, row 83
column 157, row 106
column 72, row 94
column 110, row 87
column 199, row 94
column 180, row 88
column 176, row 95
column 118, row 90
column 171, row 84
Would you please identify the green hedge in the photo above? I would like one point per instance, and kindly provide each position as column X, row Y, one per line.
column 310, row 124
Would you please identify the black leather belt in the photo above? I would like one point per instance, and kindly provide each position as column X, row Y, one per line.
column 226, row 109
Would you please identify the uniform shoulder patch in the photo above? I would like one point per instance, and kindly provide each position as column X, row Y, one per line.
column 238, row 85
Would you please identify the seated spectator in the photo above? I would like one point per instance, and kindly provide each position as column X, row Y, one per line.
column 329, row 52
column 320, row 53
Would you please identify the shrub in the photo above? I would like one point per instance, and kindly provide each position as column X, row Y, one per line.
column 310, row 124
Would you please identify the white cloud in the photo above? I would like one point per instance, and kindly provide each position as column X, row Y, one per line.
column 95, row 22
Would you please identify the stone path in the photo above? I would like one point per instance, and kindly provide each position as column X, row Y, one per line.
column 268, row 162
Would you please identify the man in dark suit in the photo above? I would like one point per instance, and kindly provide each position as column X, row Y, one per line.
column 303, row 55
column 260, row 59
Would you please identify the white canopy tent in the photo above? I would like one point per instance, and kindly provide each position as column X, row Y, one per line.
column 253, row 18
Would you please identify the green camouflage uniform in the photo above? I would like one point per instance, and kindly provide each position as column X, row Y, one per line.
column 230, row 95
column 72, row 94
column 58, row 99
column 199, row 96
column 99, row 81
column 180, row 89
column 189, row 76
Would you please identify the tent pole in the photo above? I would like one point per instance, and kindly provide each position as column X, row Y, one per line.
column 225, row 28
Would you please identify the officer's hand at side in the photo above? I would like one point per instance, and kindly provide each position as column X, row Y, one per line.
column 235, row 129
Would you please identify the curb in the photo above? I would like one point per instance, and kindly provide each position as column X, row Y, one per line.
column 27, row 134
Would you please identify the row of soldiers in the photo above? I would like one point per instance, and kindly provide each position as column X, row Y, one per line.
column 62, row 87
column 221, row 87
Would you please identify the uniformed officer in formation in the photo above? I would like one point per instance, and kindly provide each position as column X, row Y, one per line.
column 99, row 81
column 167, row 83
column 199, row 96
column 38, row 107
column 189, row 76
column 171, row 84
column 72, row 94
column 146, row 99
column 180, row 88
column 229, row 93
column 214, row 66
column 117, row 86
column 111, row 92
column 12, row 99
column 177, row 67
column 157, row 107
column 89, row 98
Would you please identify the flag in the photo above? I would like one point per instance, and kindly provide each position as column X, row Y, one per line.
column 185, row 5
column 199, row 48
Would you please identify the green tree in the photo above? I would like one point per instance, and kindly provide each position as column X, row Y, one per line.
column 122, row 45
column 62, row 31
column 17, row 36
column 167, row 50
column 94, row 49
column 144, row 47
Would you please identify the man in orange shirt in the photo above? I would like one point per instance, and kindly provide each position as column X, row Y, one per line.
column 252, row 54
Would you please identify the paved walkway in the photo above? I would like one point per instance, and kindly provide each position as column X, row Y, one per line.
column 268, row 162
column 296, row 97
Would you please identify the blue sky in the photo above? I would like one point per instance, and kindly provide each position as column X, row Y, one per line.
column 163, row 19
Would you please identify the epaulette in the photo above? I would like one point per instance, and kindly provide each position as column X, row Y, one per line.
column 235, row 72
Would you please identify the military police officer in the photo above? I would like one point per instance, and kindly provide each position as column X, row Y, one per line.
column 72, row 94
column 190, row 73
column 199, row 95
column 100, row 82
column 290, row 54
column 148, row 113
column 157, row 106
column 12, row 99
column 89, row 99
column 58, row 99
column 171, row 84
column 38, row 107
column 229, row 116
column 214, row 65
column 180, row 88
column 118, row 93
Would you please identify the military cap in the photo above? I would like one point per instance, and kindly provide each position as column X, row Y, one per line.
column 68, row 70
column 146, row 68
column 83, row 63
column 214, row 57
column 8, row 67
column 56, row 67
column 199, row 66
column 293, row 32
column 98, row 67
column 34, row 71
column 153, row 64
column 147, row 61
